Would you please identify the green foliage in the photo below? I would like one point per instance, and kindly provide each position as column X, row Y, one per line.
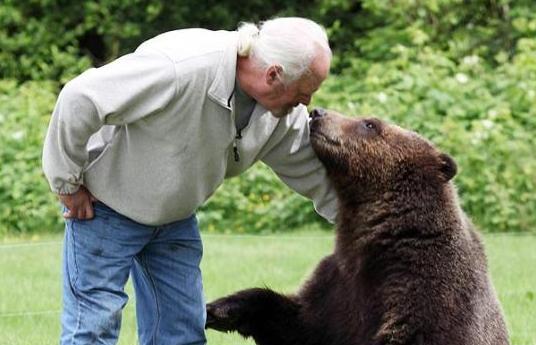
column 369, row 29
column 39, row 41
column 256, row 202
column 461, row 73
column 54, row 39
column 26, row 205
column 485, row 118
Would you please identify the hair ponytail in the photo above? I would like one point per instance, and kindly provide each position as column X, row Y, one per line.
column 247, row 35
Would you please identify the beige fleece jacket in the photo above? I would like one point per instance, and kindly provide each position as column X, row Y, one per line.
column 151, row 134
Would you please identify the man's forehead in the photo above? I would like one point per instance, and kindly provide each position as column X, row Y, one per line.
column 321, row 64
column 319, row 72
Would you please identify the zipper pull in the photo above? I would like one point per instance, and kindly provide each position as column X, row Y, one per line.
column 235, row 146
column 236, row 154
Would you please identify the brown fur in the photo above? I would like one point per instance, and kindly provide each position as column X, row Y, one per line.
column 408, row 267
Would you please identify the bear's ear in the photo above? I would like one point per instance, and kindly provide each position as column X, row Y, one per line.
column 447, row 166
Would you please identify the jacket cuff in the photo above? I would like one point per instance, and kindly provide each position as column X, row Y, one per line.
column 329, row 211
column 66, row 188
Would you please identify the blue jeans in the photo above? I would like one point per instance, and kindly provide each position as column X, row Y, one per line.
column 164, row 265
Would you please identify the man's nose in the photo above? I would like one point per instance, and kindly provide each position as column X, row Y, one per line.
column 317, row 113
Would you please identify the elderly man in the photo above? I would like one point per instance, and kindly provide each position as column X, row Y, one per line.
column 134, row 147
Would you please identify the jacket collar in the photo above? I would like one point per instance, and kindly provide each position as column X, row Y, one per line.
column 222, row 88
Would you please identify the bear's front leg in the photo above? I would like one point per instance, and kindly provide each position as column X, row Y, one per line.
column 270, row 318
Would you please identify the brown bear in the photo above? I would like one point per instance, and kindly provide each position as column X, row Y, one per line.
column 408, row 267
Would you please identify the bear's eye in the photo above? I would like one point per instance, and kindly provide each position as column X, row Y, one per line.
column 369, row 127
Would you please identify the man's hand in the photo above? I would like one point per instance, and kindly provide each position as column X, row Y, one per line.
column 79, row 205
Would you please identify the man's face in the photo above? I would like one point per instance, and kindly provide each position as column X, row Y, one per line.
column 286, row 97
column 283, row 98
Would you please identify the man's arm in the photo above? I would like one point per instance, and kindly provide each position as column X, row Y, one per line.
column 292, row 158
column 130, row 88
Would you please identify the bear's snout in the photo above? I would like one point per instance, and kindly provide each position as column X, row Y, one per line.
column 325, row 125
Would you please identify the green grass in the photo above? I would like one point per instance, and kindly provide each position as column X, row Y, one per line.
column 30, row 282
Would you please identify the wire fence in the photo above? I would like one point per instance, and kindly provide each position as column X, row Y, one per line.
column 8, row 246
column 33, row 244
column 328, row 236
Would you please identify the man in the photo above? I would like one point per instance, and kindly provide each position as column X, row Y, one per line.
column 134, row 147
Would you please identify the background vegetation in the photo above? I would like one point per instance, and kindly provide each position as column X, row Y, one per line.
column 462, row 73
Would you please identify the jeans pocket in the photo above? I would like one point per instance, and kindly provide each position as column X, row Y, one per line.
column 88, row 251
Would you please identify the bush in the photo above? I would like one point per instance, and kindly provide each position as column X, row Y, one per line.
column 26, row 204
column 369, row 29
column 484, row 117
column 461, row 73
column 257, row 202
column 56, row 40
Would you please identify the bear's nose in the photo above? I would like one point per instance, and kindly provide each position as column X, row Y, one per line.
column 317, row 112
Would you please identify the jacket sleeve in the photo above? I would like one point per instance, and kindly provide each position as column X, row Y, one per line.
column 292, row 158
column 128, row 89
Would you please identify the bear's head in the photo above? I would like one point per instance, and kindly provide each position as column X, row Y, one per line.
column 367, row 158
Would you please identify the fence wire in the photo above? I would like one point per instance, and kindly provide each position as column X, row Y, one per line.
column 56, row 312
column 245, row 236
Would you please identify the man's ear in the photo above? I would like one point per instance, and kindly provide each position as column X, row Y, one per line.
column 447, row 166
column 273, row 74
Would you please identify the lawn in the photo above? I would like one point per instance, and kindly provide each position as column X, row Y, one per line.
column 30, row 280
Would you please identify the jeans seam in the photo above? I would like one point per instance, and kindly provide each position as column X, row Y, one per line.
column 155, row 295
column 73, row 285
column 79, row 305
column 75, row 261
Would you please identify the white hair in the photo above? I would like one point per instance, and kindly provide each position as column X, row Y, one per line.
column 291, row 43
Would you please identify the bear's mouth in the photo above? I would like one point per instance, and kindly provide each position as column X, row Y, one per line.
column 317, row 135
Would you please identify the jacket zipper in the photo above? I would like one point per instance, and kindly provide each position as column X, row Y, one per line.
column 238, row 135
column 235, row 145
